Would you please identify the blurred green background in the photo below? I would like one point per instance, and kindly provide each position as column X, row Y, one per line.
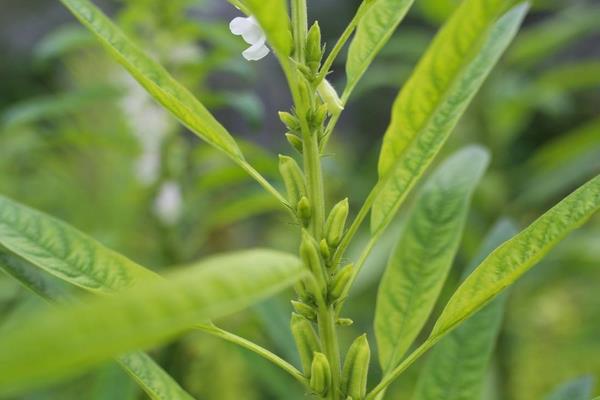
column 81, row 140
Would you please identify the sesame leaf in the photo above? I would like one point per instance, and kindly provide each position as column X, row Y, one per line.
column 154, row 78
column 436, row 95
column 419, row 265
column 48, row 345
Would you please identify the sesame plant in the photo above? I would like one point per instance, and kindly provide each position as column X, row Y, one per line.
column 130, row 308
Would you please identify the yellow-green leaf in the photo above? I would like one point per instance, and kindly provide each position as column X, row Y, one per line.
column 148, row 374
column 512, row 259
column 438, row 92
column 52, row 344
column 456, row 367
column 504, row 266
column 154, row 78
column 272, row 16
column 64, row 251
column 419, row 265
column 373, row 31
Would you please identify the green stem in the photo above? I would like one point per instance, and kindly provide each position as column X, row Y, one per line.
column 261, row 351
column 314, row 183
column 263, row 182
column 395, row 373
column 327, row 333
column 300, row 28
column 339, row 45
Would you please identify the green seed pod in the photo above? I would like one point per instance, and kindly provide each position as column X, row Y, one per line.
column 306, row 341
column 320, row 374
column 336, row 223
column 304, row 210
column 309, row 252
column 340, row 282
column 293, row 178
column 306, row 90
column 324, row 247
column 295, row 141
column 330, row 97
column 344, row 322
column 314, row 51
column 356, row 368
column 305, row 310
column 301, row 291
column 290, row 121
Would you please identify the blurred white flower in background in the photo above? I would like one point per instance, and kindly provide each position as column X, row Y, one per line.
column 168, row 203
column 149, row 123
column 252, row 34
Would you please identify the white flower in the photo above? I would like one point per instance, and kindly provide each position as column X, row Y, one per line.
column 252, row 34
column 168, row 203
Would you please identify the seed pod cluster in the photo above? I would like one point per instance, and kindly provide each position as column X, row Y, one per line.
column 356, row 369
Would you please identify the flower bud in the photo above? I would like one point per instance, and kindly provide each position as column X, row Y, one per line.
column 302, row 291
column 330, row 97
column 340, row 282
column 306, row 341
column 314, row 51
column 320, row 374
column 356, row 368
column 295, row 141
column 290, row 121
column 304, row 211
column 309, row 253
column 344, row 322
column 305, row 310
column 336, row 222
column 293, row 178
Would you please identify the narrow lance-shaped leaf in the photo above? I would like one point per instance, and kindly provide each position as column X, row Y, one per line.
column 64, row 251
column 373, row 31
column 50, row 345
column 154, row 78
column 272, row 16
column 456, row 367
column 440, row 89
column 419, row 265
column 576, row 389
column 505, row 265
column 515, row 257
column 150, row 376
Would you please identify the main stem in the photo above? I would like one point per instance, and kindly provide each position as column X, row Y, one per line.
column 314, row 185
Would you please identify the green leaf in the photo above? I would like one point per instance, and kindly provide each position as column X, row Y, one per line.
column 157, row 384
column 272, row 16
column 437, row 94
column 504, row 266
column 64, row 251
column 149, row 375
column 419, row 265
column 154, row 78
column 456, row 367
column 512, row 259
column 50, row 345
column 373, row 31
column 576, row 389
